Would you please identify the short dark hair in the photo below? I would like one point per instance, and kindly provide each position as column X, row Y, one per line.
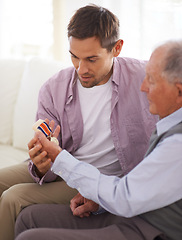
column 92, row 20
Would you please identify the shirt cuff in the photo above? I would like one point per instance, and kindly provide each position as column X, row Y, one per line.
column 64, row 161
column 48, row 177
column 77, row 174
column 99, row 211
column 32, row 172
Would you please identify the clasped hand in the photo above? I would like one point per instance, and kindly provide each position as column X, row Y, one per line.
column 82, row 207
column 42, row 152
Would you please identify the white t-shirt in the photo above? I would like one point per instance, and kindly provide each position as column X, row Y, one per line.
column 97, row 146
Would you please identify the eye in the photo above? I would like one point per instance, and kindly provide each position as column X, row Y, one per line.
column 92, row 60
column 73, row 56
column 149, row 78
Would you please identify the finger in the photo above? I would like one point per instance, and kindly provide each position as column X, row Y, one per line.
column 76, row 201
column 81, row 210
column 85, row 215
column 44, row 166
column 47, row 121
column 40, row 159
column 42, row 138
column 51, row 125
column 91, row 205
column 56, row 131
column 73, row 206
column 34, row 150
column 32, row 142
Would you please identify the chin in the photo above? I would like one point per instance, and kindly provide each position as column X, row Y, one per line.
column 87, row 84
column 152, row 110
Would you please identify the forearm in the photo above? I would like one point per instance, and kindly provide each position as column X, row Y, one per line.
column 88, row 181
column 134, row 194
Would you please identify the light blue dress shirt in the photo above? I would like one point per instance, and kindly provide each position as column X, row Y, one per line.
column 154, row 183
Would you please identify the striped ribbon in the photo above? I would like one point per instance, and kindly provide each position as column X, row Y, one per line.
column 44, row 127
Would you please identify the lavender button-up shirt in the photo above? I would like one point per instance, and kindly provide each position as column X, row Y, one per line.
column 130, row 122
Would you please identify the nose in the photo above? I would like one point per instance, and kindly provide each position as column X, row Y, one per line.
column 82, row 67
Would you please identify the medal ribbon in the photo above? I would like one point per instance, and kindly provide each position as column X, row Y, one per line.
column 44, row 127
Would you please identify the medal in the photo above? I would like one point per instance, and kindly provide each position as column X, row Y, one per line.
column 53, row 139
column 44, row 127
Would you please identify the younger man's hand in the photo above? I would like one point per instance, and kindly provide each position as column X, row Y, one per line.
column 39, row 158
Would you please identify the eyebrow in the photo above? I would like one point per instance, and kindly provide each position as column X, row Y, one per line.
column 94, row 56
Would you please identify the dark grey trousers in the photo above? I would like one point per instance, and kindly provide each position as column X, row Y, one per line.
column 56, row 222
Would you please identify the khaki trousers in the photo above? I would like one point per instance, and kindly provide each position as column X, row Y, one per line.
column 18, row 190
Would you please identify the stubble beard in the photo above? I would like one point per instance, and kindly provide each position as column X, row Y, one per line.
column 89, row 84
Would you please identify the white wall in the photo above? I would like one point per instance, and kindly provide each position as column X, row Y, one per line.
column 143, row 24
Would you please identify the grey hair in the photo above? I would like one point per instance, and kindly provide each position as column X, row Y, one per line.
column 172, row 65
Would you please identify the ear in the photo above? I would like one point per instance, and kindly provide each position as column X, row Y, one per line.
column 117, row 47
column 179, row 88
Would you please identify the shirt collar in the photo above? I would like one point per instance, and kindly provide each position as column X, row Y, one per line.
column 116, row 71
column 71, row 89
column 168, row 122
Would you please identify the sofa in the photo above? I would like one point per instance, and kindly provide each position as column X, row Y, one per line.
column 20, row 83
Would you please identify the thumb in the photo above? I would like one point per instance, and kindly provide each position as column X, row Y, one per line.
column 84, row 209
column 57, row 131
column 79, row 211
column 42, row 138
column 76, row 212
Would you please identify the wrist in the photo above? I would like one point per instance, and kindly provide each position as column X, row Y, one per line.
column 57, row 152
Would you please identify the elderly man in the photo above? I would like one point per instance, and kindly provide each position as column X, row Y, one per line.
column 144, row 204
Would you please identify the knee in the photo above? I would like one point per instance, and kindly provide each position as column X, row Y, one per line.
column 13, row 199
column 25, row 226
column 12, row 194
column 26, row 220
column 28, row 235
column 21, row 223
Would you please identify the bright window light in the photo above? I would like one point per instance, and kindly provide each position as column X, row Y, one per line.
column 38, row 27
column 25, row 28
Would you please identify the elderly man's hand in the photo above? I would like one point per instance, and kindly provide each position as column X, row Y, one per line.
column 51, row 149
column 82, row 207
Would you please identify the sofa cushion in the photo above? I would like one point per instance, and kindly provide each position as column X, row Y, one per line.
column 11, row 155
column 10, row 76
column 37, row 71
